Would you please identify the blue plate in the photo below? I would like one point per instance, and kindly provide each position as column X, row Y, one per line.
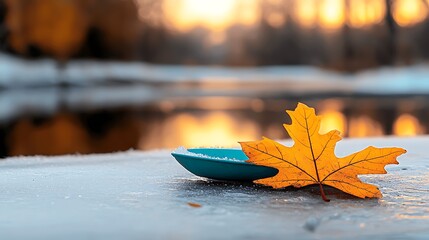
column 222, row 164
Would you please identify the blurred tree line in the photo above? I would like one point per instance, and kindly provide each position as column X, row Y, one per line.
column 134, row 30
column 66, row 29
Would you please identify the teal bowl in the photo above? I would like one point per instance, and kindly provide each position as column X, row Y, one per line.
column 222, row 164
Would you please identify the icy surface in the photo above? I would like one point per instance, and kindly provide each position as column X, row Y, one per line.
column 144, row 195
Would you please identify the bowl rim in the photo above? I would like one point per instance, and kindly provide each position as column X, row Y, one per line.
column 215, row 159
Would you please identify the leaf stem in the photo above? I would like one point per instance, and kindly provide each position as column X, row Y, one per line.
column 314, row 160
column 322, row 192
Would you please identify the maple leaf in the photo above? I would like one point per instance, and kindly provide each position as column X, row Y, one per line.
column 311, row 160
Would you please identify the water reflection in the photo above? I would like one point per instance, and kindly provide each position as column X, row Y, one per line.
column 332, row 116
column 202, row 121
column 67, row 133
column 363, row 126
column 208, row 129
column 56, row 136
column 407, row 125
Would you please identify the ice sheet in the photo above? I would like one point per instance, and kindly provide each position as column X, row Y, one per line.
column 144, row 195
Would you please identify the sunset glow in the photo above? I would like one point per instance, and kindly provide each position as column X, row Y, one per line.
column 215, row 128
column 407, row 125
column 216, row 15
column 364, row 126
column 409, row 12
column 332, row 116
column 331, row 15
column 305, row 13
column 332, row 119
column 365, row 13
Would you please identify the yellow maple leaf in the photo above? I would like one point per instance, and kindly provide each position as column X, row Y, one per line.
column 311, row 160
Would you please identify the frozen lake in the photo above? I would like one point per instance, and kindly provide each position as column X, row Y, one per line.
column 145, row 195
column 88, row 106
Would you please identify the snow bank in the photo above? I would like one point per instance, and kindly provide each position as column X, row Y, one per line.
column 16, row 72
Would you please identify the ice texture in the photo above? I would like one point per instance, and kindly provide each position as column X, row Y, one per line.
column 144, row 195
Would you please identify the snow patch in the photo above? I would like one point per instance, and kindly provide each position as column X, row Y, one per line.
column 183, row 151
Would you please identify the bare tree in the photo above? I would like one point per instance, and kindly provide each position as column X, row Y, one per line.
column 391, row 36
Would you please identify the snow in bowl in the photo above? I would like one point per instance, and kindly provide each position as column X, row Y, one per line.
column 221, row 164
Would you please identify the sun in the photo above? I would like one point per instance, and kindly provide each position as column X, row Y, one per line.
column 216, row 15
